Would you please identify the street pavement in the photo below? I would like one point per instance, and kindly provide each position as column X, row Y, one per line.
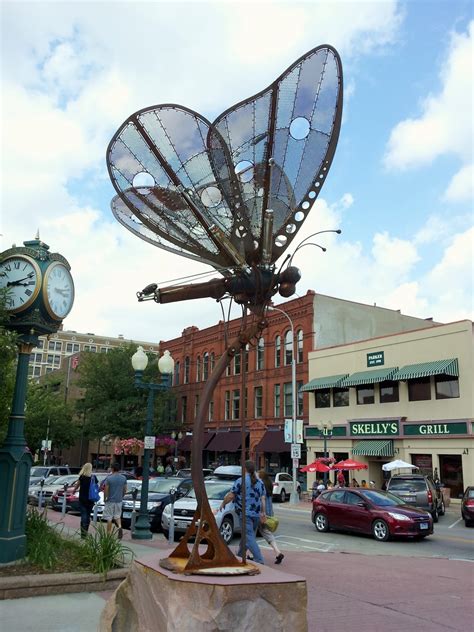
column 353, row 582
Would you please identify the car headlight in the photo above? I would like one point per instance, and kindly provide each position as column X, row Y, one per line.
column 167, row 510
column 154, row 505
column 398, row 516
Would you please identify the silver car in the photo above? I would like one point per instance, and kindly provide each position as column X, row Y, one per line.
column 51, row 485
column 184, row 508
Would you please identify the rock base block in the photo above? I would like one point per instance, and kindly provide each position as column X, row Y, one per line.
column 153, row 599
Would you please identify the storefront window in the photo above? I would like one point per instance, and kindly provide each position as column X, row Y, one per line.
column 388, row 392
column 340, row 396
column 365, row 394
column 322, row 398
column 446, row 386
column 419, row 389
column 424, row 462
column 451, row 473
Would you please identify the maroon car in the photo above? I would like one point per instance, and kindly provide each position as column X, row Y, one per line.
column 370, row 511
column 467, row 507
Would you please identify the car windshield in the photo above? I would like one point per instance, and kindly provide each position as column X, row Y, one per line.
column 60, row 480
column 214, row 490
column 412, row 485
column 162, row 486
column 39, row 471
column 382, row 499
column 133, row 485
column 470, row 493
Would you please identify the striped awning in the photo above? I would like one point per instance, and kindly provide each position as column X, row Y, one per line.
column 320, row 383
column 373, row 448
column 425, row 369
column 370, row 377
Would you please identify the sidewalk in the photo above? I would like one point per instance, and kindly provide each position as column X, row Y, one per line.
column 345, row 592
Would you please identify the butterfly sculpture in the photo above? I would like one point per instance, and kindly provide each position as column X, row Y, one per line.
column 233, row 193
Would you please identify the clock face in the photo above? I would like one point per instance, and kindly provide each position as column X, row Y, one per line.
column 58, row 291
column 21, row 276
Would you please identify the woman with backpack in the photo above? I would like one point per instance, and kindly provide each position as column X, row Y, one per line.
column 264, row 530
column 88, row 487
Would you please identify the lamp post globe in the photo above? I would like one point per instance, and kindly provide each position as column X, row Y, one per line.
column 166, row 364
column 139, row 359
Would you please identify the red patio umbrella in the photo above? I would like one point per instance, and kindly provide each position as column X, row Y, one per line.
column 316, row 466
column 349, row 464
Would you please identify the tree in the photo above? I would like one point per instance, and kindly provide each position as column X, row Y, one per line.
column 8, row 354
column 112, row 403
column 47, row 414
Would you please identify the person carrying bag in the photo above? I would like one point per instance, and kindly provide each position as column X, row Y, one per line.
column 270, row 525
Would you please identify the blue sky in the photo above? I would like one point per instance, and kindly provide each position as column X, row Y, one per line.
column 400, row 186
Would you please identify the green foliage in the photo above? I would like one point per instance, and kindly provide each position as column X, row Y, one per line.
column 46, row 404
column 8, row 353
column 102, row 551
column 113, row 405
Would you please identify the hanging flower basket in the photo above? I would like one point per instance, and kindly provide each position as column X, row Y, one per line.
column 164, row 444
column 128, row 446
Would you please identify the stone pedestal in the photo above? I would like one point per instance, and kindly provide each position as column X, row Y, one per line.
column 153, row 599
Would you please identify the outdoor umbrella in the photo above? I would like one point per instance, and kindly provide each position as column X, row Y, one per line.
column 316, row 466
column 349, row 464
column 398, row 464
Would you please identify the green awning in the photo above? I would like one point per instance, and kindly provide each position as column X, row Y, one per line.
column 373, row 448
column 370, row 377
column 425, row 369
column 323, row 382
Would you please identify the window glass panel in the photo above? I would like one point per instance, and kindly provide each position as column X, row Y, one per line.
column 212, row 362
column 198, row 368
column 419, row 389
column 176, row 373
column 260, row 354
column 365, row 394
column 40, row 344
column 211, row 410
column 299, row 338
column 184, row 409
column 205, row 366
column 277, row 351
column 299, row 386
column 352, row 499
column 236, row 404
column 237, row 364
column 446, row 386
column 388, row 392
column 258, row 393
column 288, row 347
column 186, row 369
column 340, row 396
column 227, row 405
column 288, row 399
column 246, row 358
column 276, row 400
column 337, row 496
column 322, row 398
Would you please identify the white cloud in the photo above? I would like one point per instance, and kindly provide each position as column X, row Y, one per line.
column 461, row 187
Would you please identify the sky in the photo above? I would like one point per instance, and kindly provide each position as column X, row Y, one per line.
column 400, row 187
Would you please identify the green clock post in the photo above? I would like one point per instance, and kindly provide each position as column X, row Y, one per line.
column 40, row 293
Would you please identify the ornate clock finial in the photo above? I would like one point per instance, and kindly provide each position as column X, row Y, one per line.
column 37, row 234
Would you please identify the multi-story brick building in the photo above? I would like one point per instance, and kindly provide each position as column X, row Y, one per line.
column 316, row 320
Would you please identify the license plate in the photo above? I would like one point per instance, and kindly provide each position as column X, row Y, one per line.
column 127, row 514
column 424, row 525
column 181, row 524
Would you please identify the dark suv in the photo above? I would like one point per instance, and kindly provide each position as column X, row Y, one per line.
column 418, row 490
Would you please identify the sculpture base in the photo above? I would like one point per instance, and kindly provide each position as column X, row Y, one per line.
column 154, row 599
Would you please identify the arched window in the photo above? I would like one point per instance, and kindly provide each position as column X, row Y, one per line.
column 277, row 351
column 176, row 373
column 186, row 369
column 213, row 360
column 205, row 366
column 288, row 347
column 299, row 338
column 260, row 353
column 198, row 368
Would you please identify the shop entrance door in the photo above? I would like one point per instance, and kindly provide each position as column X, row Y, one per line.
column 450, row 466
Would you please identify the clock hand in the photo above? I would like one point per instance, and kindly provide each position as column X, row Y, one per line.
column 18, row 281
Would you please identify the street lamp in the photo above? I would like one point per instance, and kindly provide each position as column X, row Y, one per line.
column 141, row 529
column 177, row 437
column 294, row 497
column 325, row 433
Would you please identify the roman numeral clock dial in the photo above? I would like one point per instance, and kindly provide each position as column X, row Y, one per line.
column 58, row 291
column 21, row 277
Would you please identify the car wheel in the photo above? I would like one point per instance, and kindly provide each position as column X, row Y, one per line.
column 321, row 522
column 468, row 523
column 442, row 510
column 380, row 530
column 435, row 515
column 282, row 496
column 227, row 530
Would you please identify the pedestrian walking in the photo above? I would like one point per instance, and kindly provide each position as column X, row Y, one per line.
column 254, row 508
column 115, row 489
column 85, row 504
column 267, row 535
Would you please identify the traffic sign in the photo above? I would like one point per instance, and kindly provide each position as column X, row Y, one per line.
column 149, row 443
column 296, row 451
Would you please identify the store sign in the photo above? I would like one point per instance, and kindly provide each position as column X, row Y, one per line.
column 456, row 428
column 374, row 428
column 375, row 359
column 313, row 432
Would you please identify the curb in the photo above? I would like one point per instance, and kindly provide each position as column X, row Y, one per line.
column 59, row 583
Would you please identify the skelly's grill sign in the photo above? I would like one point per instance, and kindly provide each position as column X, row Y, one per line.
column 374, row 428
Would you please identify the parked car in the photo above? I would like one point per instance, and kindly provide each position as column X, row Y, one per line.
column 42, row 472
column 283, row 486
column 72, row 497
column 420, row 491
column 51, row 485
column 186, row 472
column 99, row 505
column 226, row 473
column 227, row 519
column 158, row 497
column 370, row 511
column 467, row 507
